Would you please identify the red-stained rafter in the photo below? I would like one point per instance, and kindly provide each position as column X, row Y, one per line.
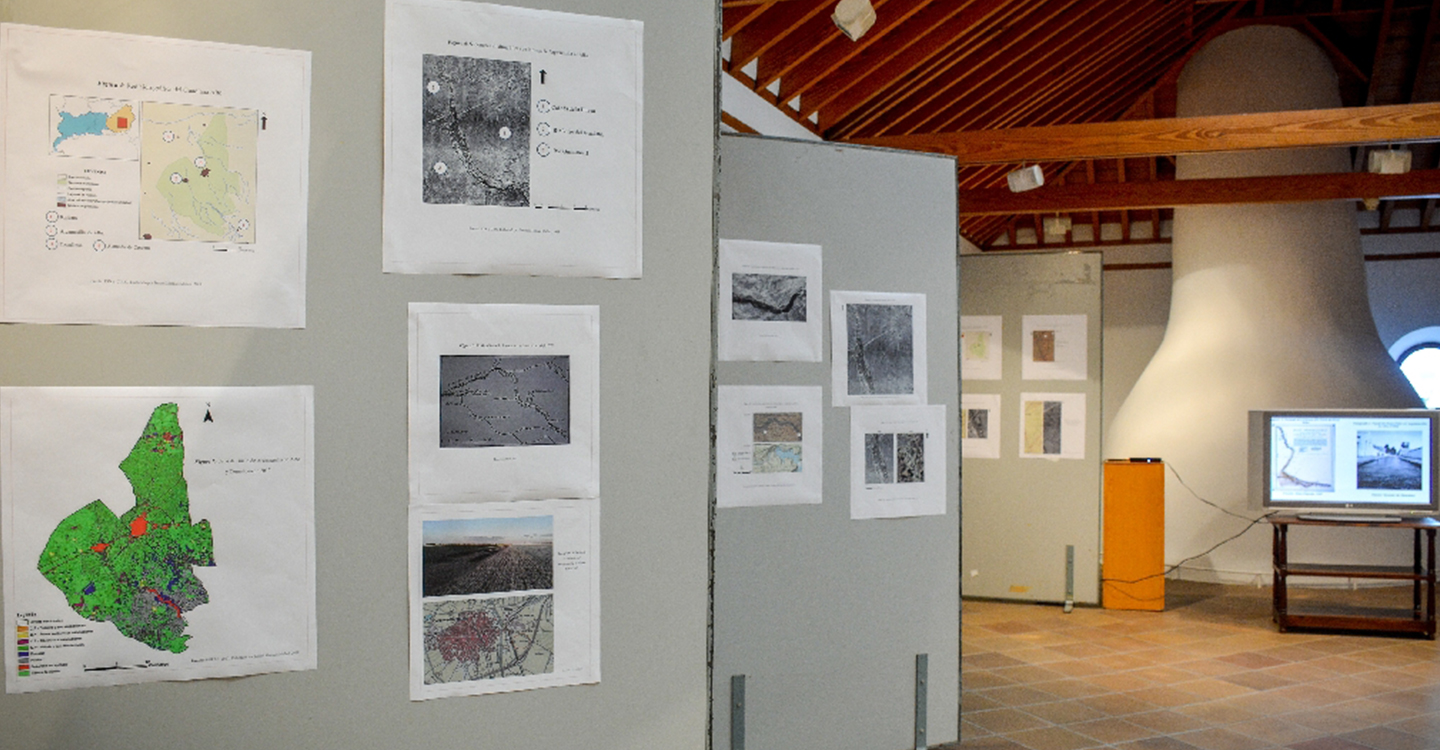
column 1083, row 77
column 975, row 54
column 891, row 29
column 736, row 18
column 817, row 33
column 769, row 29
column 919, row 63
column 1001, row 62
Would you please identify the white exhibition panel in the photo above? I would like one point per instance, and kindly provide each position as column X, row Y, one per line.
column 1040, row 492
column 654, row 404
column 824, row 615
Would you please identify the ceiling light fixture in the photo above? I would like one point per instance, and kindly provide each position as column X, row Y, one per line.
column 1025, row 178
column 1056, row 226
column 854, row 17
column 1389, row 161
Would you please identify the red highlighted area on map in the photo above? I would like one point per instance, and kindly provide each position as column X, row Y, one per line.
column 135, row 570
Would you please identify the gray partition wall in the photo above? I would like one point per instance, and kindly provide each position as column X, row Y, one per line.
column 654, row 418
column 821, row 614
column 1032, row 525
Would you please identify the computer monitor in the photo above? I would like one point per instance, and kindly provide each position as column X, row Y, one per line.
column 1346, row 461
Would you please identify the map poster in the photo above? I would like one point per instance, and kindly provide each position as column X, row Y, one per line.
column 504, row 596
column 981, row 350
column 512, row 141
column 504, row 402
column 152, row 181
column 770, row 306
column 897, row 461
column 768, row 445
column 1053, row 347
column 156, row 534
column 979, row 425
column 877, row 348
column 1052, row 425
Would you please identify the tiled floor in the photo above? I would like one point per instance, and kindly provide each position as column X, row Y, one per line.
column 1211, row 672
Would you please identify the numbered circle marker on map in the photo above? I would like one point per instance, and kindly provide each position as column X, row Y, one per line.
column 440, row 167
column 52, row 216
column 50, row 230
column 168, row 136
column 433, row 87
column 244, row 224
column 51, row 244
column 543, row 129
column 543, row 149
column 504, row 133
column 200, row 162
column 175, row 178
column 542, row 106
column 99, row 245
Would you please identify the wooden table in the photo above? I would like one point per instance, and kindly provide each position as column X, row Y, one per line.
column 1419, row 619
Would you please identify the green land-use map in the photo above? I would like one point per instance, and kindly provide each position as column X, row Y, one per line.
column 136, row 570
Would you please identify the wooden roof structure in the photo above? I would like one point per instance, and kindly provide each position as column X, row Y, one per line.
column 1086, row 90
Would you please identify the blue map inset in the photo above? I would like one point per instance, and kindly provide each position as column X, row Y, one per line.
column 72, row 125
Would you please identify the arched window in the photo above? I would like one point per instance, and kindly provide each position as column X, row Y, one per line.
column 1418, row 354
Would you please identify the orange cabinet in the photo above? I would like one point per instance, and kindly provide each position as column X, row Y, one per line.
column 1133, row 569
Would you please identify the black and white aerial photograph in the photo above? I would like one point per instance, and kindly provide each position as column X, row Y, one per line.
column 977, row 423
column 1389, row 459
column 491, row 400
column 476, row 131
column 880, row 349
column 763, row 296
column 910, row 457
column 879, row 458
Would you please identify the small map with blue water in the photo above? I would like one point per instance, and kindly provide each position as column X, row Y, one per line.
column 90, row 127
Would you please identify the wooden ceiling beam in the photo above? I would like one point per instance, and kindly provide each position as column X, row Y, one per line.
column 1002, row 67
column 1207, row 192
column 1398, row 123
column 858, row 85
column 769, row 29
column 890, row 29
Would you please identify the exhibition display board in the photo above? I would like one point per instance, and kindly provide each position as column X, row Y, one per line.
column 644, row 683
column 822, row 607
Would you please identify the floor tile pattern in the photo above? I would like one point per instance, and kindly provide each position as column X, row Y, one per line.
column 1209, row 673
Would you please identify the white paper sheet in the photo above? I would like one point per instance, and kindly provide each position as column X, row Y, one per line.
column 1053, row 347
column 156, row 534
column 897, row 461
column 512, row 141
column 504, row 402
column 979, row 425
column 152, row 181
column 1052, row 425
column 877, row 348
column 981, row 348
column 770, row 306
column 768, row 445
column 504, row 596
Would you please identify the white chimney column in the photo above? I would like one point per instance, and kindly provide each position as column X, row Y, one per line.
column 1268, row 309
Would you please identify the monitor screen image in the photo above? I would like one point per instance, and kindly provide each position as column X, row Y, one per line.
column 1349, row 459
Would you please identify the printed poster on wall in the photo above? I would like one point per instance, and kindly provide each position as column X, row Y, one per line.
column 877, row 348
column 979, row 425
column 156, row 534
column 512, row 141
column 1053, row 347
column 897, row 461
column 503, row 596
column 768, row 445
column 504, row 402
column 981, row 351
column 770, row 306
column 152, row 181
column 1052, row 425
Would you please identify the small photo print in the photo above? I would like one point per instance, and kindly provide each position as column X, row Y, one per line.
column 880, row 349
column 1389, row 459
column 475, row 130
column 977, row 423
column 489, row 401
column 910, row 457
column 777, row 458
column 879, row 458
column 465, row 556
column 1042, row 346
column 763, row 296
